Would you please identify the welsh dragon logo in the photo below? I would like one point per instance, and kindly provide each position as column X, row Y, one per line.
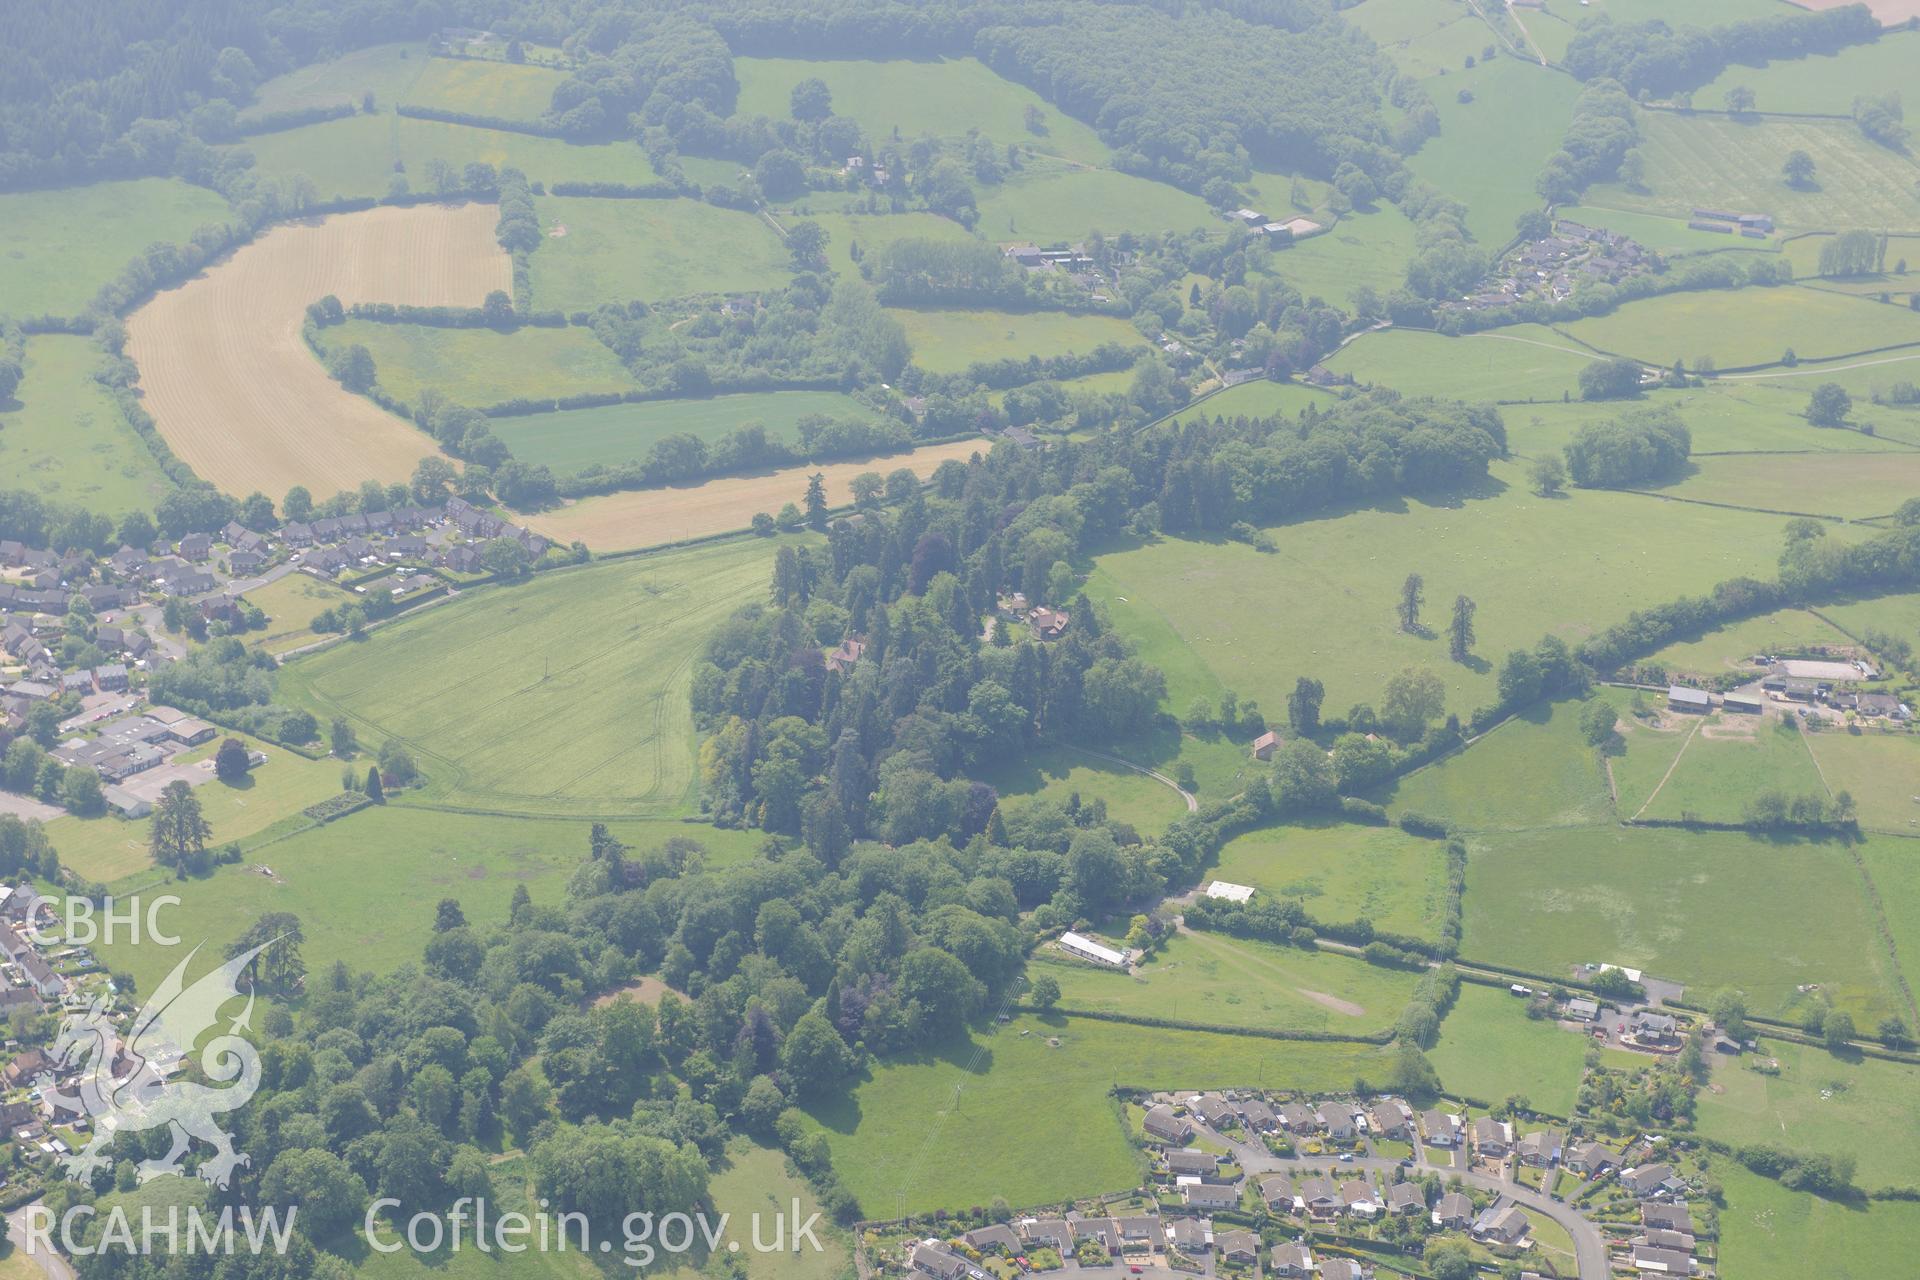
column 119, row 1088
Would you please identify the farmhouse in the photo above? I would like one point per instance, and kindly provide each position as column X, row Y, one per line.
column 1086, row 948
column 1653, row 1028
column 1697, row 701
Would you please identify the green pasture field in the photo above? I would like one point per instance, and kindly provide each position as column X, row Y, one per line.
column 1724, row 417
column 1507, row 550
column 510, row 91
column 1865, row 1107
column 623, row 250
column 1370, row 249
column 1715, row 162
column 1862, row 377
column 63, row 245
column 63, row 436
column 1698, row 13
column 1645, row 749
column 1230, row 982
column 1010, row 1113
column 1854, row 486
column 1341, row 872
column 387, row 71
column 949, row 341
column 1490, row 1049
column 1681, row 905
column 1881, row 770
column 1274, row 193
column 1525, row 362
column 1823, row 84
column 1489, row 150
column 1423, row 37
column 109, row 848
column 1728, row 648
column 1045, row 203
column 1743, row 327
column 480, row 367
column 873, row 232
column 1113, row 382
column 291, row 604
column 1733, row 758
column 563, row 696
column 709, row 170
column 404, row 858
column 1057, row 772
column 1668, row 234
column 356, row 157
column 1768, row 1232
column 1536, row 770
column 1895, row 873
column 1894, row 614
column 1261, row 398
column 574, row 438
column 944, row 97
column 1804, row 253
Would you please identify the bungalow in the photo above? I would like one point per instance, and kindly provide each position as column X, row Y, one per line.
column 1138, row 1233
column 997, row 1236
column 1213, row 1109
column 1050, row 1233
column 1492, row 1138
column 932, row 1258
column 1653, row 1181
column 1265, row 745
column 1161, row 1123
column 1540, row 1149
column 1086, row 948
column 1318, row 1198
column 1670, row 1262
column 1440, row 1128
column 1336, row 1118
column 1298, row 1117
column 1199, row 1163
column 1258, row 1115
column 1238, row 1246
column 1697, row 701
column 1506, row 1225
column 1290, row 1260
column 1341, row 1269
column 1405, row 1198
column 1276, row 1192
column 1102, row 1231
column 1188, row 1236
column 1452, row 1212
column 1663, row 1238
column 1667, row 1217
column 1358, row 1199
column 1209, row 1195
column 1390, row 1119
column 1589, row 1159
column 1884, row 706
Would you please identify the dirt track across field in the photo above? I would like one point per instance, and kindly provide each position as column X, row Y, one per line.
column 649, row 517
column 234, row 388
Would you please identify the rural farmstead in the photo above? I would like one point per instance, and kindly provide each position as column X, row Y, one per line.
column 927, row 639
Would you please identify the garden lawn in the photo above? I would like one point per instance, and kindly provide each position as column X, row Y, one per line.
column 1523, row 362
column 1012, row 1114
column 1731, row 760
column 1341, row 872
column 1489, row 1049
column 63, row 437
column 1880, row 770
column 576, row 438
column 1533, row 565
column 110, row 848
column 647, row 250
column 1853, row 486
column 63, row 244
column 1364, row 249
column 1535, row 770
column 949, row 341
column 291, row 604
column 1744, row 327
column 1214, row 979
column 1490, row 149
column 1048, row 202
column 1681, row 906
column 1731, row 648
column 481, row 367
column 564, row 696
column 1768, row 1232
column 1711, row 161
column 945, row 97
column 1058, row 772
column 1867, row 1108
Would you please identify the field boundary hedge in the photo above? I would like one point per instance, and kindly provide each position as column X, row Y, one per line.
column 282, row 121
column 1177, row 1024
column 471, row 120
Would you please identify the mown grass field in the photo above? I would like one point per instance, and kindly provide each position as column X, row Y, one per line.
column 1231, row 982
column 1895, row 873
column 1341, row 872
column 1747, row 327
column 1366, row 249
column 480, row 367
column 1894, row 614
column 565, row 695
column 1423, row 37
column 1489, row 1050
column 1056, row 773
column 360, row 155
column 108, row 848
column 1880, row 771
column 1868, row 1108
column 387, row 71
column 1728, row 648
column 1536, row 770
column 291, row 604
column 944, row 97
column 575, row 438
column 647, row 250
column 1013, row 1114
column 63, row 435
column 949, row 341
column 1532, row 565
column 1715, row 162
column 1723, row 417
column 1526, row 362
column 1049, row 202
column 1853, row 485
column 1730, row 761
column 1261, row 398
column 1823, row 83
column 1489, row 150
column 508, row 90
column 1768, row 1232
column 62, row 245
column 1682, row 906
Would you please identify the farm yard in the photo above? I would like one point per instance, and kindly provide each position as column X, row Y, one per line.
column 576, row 438
column 238, row 394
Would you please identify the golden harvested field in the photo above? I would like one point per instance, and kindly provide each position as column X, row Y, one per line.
column 234, row 388
column 649, row 517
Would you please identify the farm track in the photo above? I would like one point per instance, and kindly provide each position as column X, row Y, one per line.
column 227, row 374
